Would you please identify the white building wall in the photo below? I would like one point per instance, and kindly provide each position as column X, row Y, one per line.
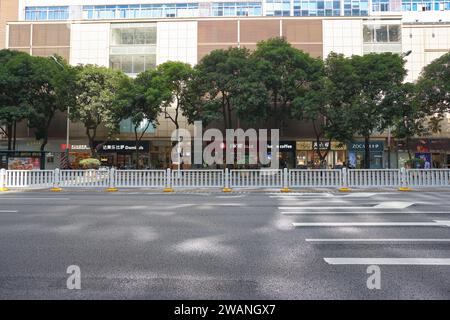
column 342, row 36
column 90, row 43
column 427, row 42
column 176, row 41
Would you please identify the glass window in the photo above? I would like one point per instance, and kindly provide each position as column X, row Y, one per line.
column 47, row 13
column 394, row 33
column 368, row 33
column 141, row 11
column 381, row 34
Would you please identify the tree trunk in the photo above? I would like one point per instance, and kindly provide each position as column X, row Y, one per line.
column 367, row 152
column 14, row 135
column 136, row 140
column 9, row 134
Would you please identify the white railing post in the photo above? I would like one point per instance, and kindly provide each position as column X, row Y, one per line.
column 112, row 181
column 285, row 179
column 168, row 187
column 56, row 181
column 344, row 180
column 226, row 177
column 404, row 180
column 3, row 180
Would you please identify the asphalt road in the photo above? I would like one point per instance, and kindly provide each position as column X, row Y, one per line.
column 141, row 245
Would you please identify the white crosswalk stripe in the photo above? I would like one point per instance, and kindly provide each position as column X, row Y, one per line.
column 337, row 207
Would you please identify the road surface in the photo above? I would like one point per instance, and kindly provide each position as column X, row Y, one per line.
column 211, row 245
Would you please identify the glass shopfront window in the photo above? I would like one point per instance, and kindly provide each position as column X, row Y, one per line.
column 307, row 156
column 356, row 152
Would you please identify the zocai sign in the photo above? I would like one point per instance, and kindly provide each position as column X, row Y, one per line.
column 122, row 146
column 360, row 146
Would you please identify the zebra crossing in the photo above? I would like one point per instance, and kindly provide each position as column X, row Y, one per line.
column 364, row 212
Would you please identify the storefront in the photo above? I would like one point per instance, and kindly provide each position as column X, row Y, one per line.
column 23, row 160
column 286, row 153
column 307, row 156
column 434, row 151
column 356, row 153
column 122, row 154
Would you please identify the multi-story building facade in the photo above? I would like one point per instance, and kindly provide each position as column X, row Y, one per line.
column 137, row 35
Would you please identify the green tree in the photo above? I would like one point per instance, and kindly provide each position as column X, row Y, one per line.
column 286, row 73
column 141, row 100
column 434, row 85
column 324, row 104
column 225, row 86
column 177, row 75
column 404, row 114
column 377, row 74
column 96, row 88
column 15, row 74
column 52, row 88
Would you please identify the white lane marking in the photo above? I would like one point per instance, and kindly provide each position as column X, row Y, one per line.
column 373, row 224
column 384, row 205
column 389, row 261
column 359, row 212
column 394, row 205
column 362, row 241
column 179, row 206
column 8, row 211
column 20, row 198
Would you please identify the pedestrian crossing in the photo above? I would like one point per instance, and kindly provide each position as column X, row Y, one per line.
column 321, row 213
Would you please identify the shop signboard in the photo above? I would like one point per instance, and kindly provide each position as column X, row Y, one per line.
column 122, row 146
column 374, row 146
column 24, row 163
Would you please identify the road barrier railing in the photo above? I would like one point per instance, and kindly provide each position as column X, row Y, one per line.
column 28, row 178
column 428, row 178
column 256, row 178
column 315, row 178
column 283, row 179
column 360, row 178
column 197, row 178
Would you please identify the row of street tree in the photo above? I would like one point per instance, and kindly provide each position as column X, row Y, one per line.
column 341, row 97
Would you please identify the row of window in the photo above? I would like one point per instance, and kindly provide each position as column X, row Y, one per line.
column 410, row 5
column 382, row 33
column 47, row 13
column 169, row 10
column 223, row 9
column 272, row 7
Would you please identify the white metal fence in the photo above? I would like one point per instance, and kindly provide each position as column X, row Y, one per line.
column 374, row 178
column 28, row 179
column 315, row 178
column 82, row 178
column 196, row 178
column 264, row 178
column 139, row 179
column 428, row 178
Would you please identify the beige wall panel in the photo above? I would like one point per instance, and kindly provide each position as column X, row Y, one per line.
column 8, row 12
column 302, row 30
column 203, row 50
column 45, row 52
column 19, row 35
column 221, row 31
column 253, row 31
column 315, row 50
column 51, row 35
